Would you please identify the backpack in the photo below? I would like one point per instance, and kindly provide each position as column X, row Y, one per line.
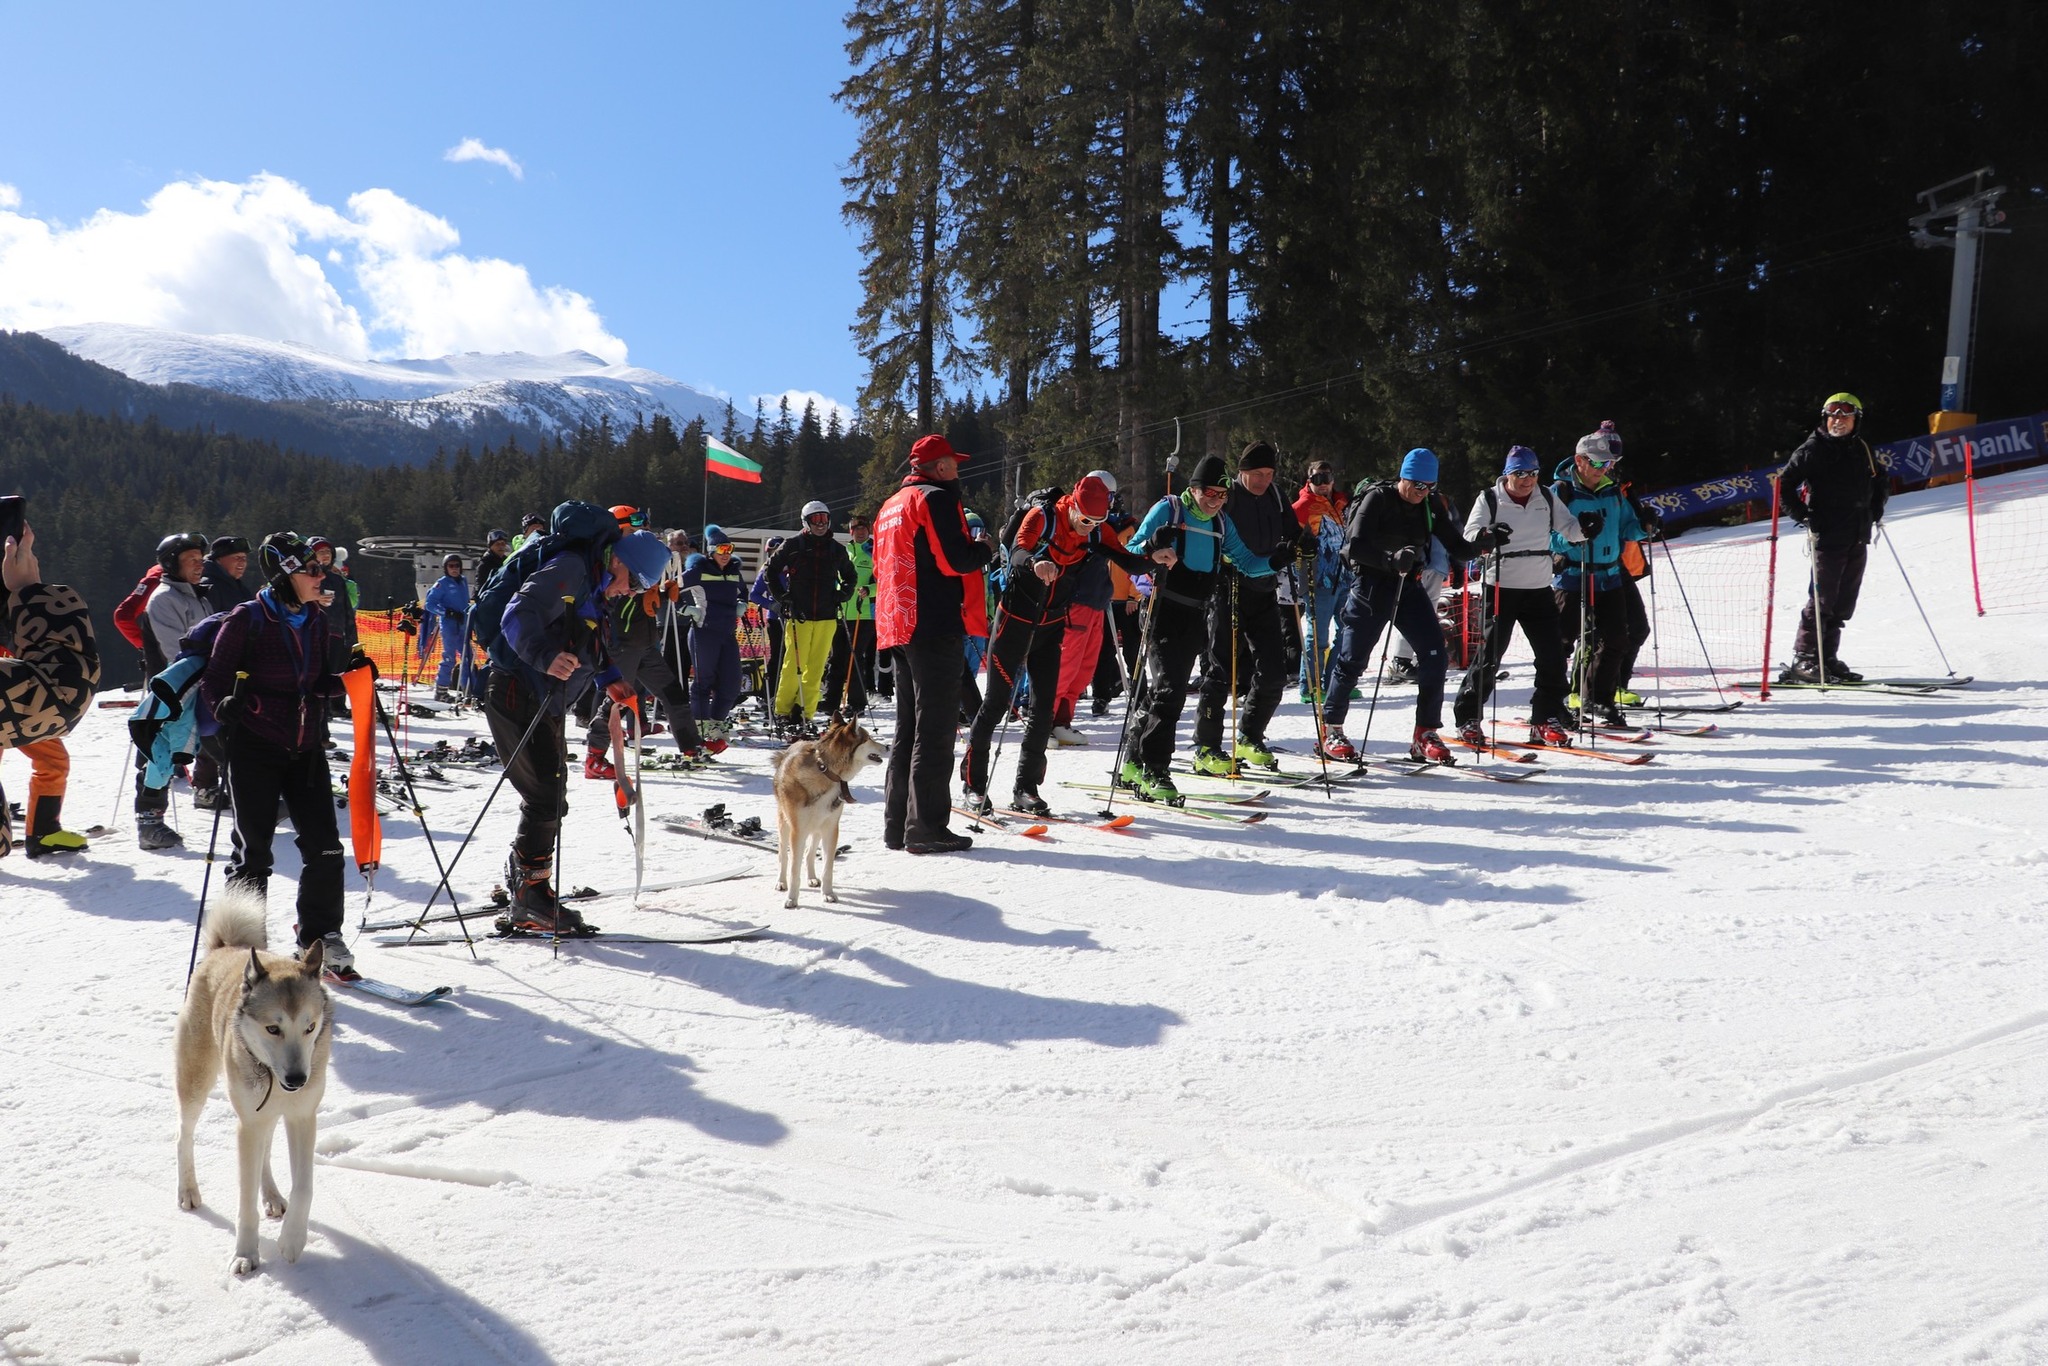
column 576, row 526
column 128, row 615
column 1042, row 499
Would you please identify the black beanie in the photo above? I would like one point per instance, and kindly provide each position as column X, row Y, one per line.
column 1208, row 473
column 1258, row 456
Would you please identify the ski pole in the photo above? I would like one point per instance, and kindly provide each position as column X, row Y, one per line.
column 1818, row 637
column 1231, row 589
column 1656, row 650
column 1379, row 675
column 1493, row 647
column 1315, row 662
column 540, row 711
column 206, row 878
column 418, row 814
column 1887, row 537
column 1123, row 739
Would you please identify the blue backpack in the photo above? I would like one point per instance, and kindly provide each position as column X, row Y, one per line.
column 574, row 526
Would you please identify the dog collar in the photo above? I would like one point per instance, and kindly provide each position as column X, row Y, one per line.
column 845, row 792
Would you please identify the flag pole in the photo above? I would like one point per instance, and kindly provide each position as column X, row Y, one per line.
column 706, row 510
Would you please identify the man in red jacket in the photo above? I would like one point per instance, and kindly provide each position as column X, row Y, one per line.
column 925, row 559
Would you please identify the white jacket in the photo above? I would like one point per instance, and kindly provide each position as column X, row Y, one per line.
column 1525, row 559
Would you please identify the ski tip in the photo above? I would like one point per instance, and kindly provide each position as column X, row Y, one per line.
column 1035, row 829
column 1118, row 822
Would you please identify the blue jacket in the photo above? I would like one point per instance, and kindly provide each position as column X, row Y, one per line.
column 561, row 608
column 1203, row 544
column 1603, row 551
column 724, row 590
column 449, row 597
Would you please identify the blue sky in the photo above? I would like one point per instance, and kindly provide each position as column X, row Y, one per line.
column 680, row 172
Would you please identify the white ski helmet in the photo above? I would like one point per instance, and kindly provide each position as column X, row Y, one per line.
column 814, row 508
column 1108, row 479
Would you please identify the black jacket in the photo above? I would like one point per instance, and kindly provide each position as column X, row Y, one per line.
column 810, row 576
column 1268, row 526
column 1382, row 522
column 1835, row 488
column 221, row 589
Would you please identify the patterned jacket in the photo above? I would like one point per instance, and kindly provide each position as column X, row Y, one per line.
column 47, row 685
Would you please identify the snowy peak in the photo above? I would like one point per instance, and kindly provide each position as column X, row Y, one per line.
column 553, row 393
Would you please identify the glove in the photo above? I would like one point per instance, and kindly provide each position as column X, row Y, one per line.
column 1492, row 537
column 783, row 608
column 694, row 614
column 1406, row 559
column 1282, row 560
column 359, row 659
column 1591, row 522
column 1652, row 522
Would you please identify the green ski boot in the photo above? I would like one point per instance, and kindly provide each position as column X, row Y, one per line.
column 1158, row 787
column 1212, row 762
column 1255, row 753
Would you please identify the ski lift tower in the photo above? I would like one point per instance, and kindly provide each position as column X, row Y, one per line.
column 1974, row 208
column 425, row 555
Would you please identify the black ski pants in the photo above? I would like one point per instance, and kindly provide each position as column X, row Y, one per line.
column 1837, row 579
column 1019, row 647
column 849, row 672
column 646, row 664
column 1638, row 627
column 536, row 769
column 1375, row 600
column 1261, row 662
column 1180, row 632
column 260, row 773
column 1600, row 647
column 1535, row 611
column 916, row 805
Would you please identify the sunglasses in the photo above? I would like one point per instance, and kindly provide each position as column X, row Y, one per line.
column 1211, row 490
column 1427, row 486
column 1085, row 520
column 1521, row 474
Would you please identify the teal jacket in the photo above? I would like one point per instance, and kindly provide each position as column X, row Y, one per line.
column 1602, row 552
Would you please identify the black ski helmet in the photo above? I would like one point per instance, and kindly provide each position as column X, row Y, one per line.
column 284, row 553
column 171, row 547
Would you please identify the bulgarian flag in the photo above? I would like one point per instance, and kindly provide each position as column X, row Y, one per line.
column 721, row 459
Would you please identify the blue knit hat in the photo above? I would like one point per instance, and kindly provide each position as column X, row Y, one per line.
column 644, row 556
column 1521, row 460
column 714, row 534
column 1419, row 465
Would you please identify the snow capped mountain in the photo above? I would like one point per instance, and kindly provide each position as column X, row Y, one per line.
column 551, row 393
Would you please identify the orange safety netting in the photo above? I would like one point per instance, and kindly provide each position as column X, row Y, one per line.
column 398, row 653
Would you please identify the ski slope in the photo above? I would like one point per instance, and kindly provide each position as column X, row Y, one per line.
column 1738, row 1057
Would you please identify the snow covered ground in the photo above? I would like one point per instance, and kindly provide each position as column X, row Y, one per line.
column 1740, row 1057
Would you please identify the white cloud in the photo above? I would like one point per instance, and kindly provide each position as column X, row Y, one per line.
column 473, row 149
column 797, row 398
column 10, row 198
column 381, row 277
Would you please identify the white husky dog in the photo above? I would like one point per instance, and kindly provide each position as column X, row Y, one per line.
column 267, row 1023
column 811, row 791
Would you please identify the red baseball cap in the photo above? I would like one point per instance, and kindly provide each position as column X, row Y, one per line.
column 929, row 450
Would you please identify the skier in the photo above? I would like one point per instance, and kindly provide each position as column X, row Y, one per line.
column 220, row 577
column 1319, row 507
column 810, row 576
column 1055, row 542
column 497, row 549
column 531, row 527
column 1591, row 604
column 1081, row 655
column 762, row 597
column 268, row 680
column 849, row 674
column 1385, row 542
column 714, row 587
column 47, row 676
column 449, row 600
column 1522, row 515
column 646, row 665
column 175, row 607
column 552, row 642
column 1834, row 487
column 1194, row 526
column 1245, row 609
column 926, row 567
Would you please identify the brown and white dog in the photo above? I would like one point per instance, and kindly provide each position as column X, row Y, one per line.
column 267, row 1023
column 812, row 780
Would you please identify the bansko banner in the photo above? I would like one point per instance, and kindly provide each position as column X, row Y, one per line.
column 1912, row 461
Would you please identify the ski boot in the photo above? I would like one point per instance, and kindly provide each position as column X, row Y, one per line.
column 1626, row 698
column 1571, row 703
column 1612, row 716
column 1838, row 672
column 534, row 904
column 1028, row 801
column 1398, row 671
column 1801, row 670
column 1255, row 753
column 1211, row 762
column 1156, row 785
column 1429, row 748
column 209, row 799
column 597, row 768
column 47, row 836
column 152, row 833
column 1067, row 736
column 1474, row 734
column 1127, row 777
column 1336, row 747
column 1551, row 733
column 976, row 801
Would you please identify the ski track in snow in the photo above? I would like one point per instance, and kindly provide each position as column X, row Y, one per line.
column 1741, row 1057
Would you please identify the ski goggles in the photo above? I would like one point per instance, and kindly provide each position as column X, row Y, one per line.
column 1085, row 520
column 722, row 548
column 1839, row 410
column 638, row 519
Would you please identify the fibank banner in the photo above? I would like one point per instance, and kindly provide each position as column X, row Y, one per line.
column 1912, row 460
column 1995, row 443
